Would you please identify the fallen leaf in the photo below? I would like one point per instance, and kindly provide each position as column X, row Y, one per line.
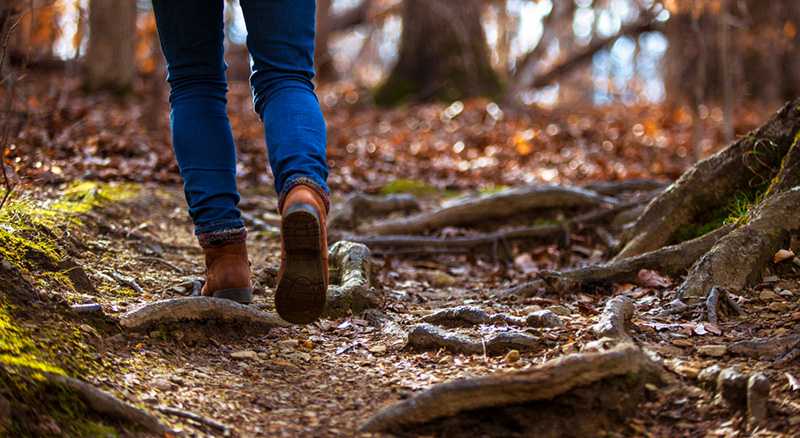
column 244, row 354
column 794, row 384
column 650, row 278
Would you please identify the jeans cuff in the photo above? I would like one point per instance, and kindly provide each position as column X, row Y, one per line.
column 308, row 182
column 214, row 239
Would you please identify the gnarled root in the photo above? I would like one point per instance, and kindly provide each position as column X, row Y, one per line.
column 671, row 260
column 107, row 404
column 712, row 182
column 739, row 258
column 615, row 319
column 198, row 309
column 578, row 382
column 498, row 205
column 430, row 337
column 351, row 288
column 468, row 316
column 358, row 207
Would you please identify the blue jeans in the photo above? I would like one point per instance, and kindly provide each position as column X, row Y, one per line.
column 281, row 44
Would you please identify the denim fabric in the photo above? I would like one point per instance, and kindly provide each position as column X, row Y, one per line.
column 281, row 44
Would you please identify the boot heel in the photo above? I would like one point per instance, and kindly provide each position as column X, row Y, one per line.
column 300, row 294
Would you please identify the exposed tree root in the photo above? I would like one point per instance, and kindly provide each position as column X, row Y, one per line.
column 226, row 430
column 671, row 260
column 554, row 382
column 358, row 207
column 761, row 347
column 197, row 309
column 468, row 316
column 351, row 288
column 717, row 300
column 615, row 319
column 491, row 242
column 614, row 188
column 107, row 404
column 430, row 337
column 498, row 205
column 739, row 258
column 407, row 244
column 745, row 164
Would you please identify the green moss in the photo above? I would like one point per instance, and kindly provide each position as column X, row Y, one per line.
column 31, row 228
column 17, row 348
column 414, row 187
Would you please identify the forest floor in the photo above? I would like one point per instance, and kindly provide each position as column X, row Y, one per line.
column 329, row 378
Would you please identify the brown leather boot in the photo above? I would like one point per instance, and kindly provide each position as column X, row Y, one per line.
column 228, row 273
column 302, row 281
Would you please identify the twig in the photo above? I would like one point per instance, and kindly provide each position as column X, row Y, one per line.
column 163, row 262
column 169, row 410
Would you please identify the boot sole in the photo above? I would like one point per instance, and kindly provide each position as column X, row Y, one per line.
column 240, row 295
column 300, row 294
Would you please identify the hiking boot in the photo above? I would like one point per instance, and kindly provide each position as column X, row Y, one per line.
column 302, row 281
column 228, row 273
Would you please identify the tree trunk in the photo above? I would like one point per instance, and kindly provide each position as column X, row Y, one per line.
column 443, row 54
column 322, row 56
column 757, row 60
column 110, row 58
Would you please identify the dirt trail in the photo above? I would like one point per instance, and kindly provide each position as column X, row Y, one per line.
column 327, row 379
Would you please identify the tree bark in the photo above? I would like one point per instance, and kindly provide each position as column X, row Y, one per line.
column 443, row 54
column 110, row 58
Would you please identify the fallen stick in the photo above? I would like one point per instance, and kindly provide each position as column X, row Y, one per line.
column 226, row 430
column 615, row 319
column 468, row 316
column 614, row 188
column 105, row 403
column 498, row 205
column 425, row 337
column 544, row 382
column 196, row 309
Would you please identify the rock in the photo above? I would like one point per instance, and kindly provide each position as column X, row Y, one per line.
column 758, row 387
column 712, row 350
column 378, row 349
column 244, row 354
column 783, row 254
column 559, row 310
column 708, row 376
column 732, row 387
column 512, row 356
column 543, row 318
column 162, row 384
column 767, row 295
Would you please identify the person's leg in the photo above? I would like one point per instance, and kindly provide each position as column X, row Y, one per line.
column 191, row 34
column 281, row 42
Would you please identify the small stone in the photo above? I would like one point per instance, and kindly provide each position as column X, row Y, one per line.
column 767, row 295
column 244, row 354
column 440, row 279
column 289, row 343
column 512, row 356
column 779, row 307
column 712, row 350
column 682, row 342
column 162, row 384
column 687, row 370
column 377, row 349
column 559, row 310
column 543, row 318
column 757, row 398
column 783, row 254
